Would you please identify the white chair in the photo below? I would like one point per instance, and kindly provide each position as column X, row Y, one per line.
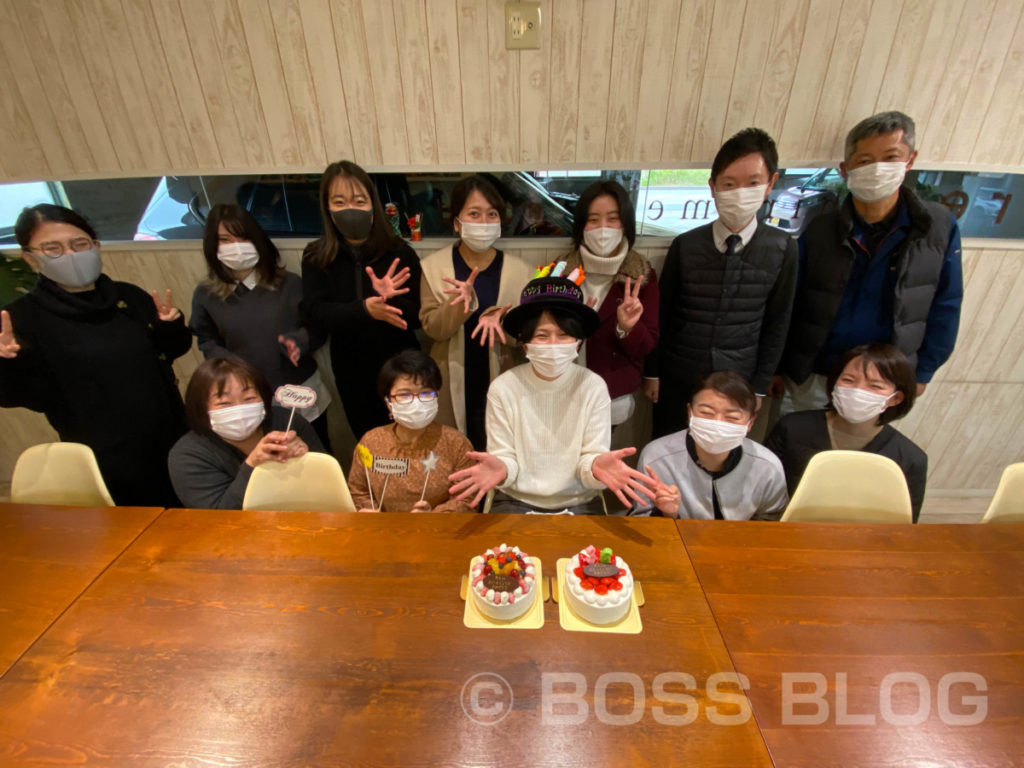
column 1008, row 503
column 59, row 473
column 850, row 487
column 313, row 482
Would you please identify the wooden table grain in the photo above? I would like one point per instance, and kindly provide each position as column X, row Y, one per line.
column 287, row 639
column 48, row 556
column 856, row 609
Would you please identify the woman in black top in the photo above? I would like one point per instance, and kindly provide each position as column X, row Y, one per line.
column 870, row 386
column 94, row 356
column 361, row 284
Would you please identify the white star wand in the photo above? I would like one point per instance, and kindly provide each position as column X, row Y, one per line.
column 429, row 465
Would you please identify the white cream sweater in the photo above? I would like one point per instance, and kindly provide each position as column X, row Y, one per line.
column 548, row 434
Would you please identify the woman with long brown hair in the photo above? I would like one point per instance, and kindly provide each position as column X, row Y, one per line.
column 361, row 284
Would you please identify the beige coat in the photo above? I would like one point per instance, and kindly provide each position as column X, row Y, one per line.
column 443, row 323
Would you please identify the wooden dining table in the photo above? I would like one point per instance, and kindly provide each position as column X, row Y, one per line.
column 49, row 555
column 873, row 645
column 295, row 638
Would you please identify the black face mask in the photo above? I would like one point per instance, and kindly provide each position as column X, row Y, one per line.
column 353, row 223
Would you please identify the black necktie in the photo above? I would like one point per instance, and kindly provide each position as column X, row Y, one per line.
column 733, row 245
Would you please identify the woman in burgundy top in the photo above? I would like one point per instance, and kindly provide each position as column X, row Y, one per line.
column 621, row 285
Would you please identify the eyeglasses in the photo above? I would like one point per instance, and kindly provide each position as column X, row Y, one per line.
column 408, row 397
column 54, row 249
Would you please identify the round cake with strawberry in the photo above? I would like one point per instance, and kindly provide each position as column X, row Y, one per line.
column 598, row 585
column 503, row 581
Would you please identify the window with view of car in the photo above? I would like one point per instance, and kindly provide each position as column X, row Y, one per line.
column 540, row 203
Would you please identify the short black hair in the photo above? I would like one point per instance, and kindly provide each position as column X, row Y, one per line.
column 475, row 183
column 747, row 142
column 731, row 385
column 627, row 215
column 240, row 223
column 414, row 363
column 30, row 218
column 892, row 365
column 212, row 375
column 567, row 321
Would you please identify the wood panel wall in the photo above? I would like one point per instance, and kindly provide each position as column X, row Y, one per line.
column 153, row 87
column 970, row 420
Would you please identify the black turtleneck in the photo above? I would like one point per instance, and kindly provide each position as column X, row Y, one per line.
column 98, row 364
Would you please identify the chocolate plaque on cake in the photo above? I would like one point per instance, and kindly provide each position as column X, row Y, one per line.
column 501, row 582
column 601, row 570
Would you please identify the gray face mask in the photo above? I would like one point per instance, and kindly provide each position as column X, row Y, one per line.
column 75, row 270
column 353, row 223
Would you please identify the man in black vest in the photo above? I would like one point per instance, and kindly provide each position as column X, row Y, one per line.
column 884, row 268
column 726, row 288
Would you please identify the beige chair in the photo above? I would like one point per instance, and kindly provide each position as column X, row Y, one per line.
column 850, row 487
column 313, row 482
column 1008, row 504
column 59, row 473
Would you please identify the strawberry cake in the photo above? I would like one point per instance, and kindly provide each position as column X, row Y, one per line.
column 598, row 585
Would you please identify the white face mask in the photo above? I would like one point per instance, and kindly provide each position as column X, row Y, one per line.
column 479, row 236
column 237, row 422
column 736, row 207
column 551, row 360
column 871, row 183
column 716, row 436
column 858, row 405
column 602, row 241
column 238, row 255
column 75, row 270
column 415, row 415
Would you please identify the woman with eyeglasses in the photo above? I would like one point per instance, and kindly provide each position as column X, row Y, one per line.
column 94, row 356
column 411, row 459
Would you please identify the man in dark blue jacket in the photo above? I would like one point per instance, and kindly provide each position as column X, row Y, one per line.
column 884, row 268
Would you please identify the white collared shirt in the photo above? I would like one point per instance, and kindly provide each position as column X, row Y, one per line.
column 720, row 232
column 250, row 280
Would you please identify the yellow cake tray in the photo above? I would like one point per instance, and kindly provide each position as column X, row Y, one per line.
column 629, row 624
column 474, row 618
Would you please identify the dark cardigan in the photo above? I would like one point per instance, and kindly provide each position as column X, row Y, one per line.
column 798, row 436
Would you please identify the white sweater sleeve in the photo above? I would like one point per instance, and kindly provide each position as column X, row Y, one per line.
column 500, row 438
column 597, row 433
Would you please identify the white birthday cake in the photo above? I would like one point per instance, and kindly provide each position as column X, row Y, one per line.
column 503, row 581
column 598, row 585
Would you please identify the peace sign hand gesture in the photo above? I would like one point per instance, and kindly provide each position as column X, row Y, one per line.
column 9, row 346
column 630, row 310
column 165, row 310
column 462, row 290
column 392, row 282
